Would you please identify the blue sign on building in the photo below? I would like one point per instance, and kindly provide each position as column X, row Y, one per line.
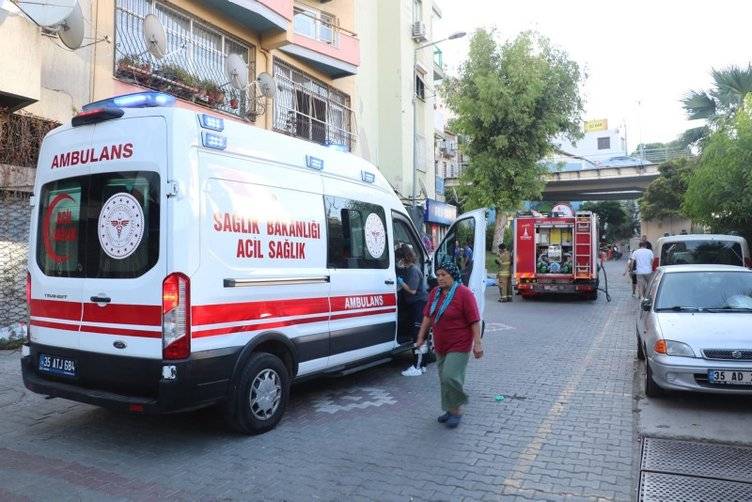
column 440, row 212
column 439, row 185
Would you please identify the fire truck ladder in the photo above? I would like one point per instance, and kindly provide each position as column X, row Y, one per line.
column 583, row 245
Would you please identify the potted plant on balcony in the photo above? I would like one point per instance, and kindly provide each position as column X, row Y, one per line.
column 131, row 67
column 212, row 93
column 177, row 80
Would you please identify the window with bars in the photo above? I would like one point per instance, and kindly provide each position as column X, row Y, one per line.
column 193, row 67
column 312, row 110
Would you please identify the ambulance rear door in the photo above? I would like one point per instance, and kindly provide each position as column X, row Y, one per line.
column 56, row 251
column 126, row 259
column 465, row 244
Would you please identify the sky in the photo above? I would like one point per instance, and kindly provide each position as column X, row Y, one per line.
column 641, row 56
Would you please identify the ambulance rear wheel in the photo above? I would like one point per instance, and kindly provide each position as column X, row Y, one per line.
column 259, row 398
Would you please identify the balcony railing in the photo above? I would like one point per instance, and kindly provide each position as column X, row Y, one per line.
column 323, row 27
column 309, row 110
column 192, row 69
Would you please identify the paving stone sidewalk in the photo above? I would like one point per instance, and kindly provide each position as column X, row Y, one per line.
column 564, row 430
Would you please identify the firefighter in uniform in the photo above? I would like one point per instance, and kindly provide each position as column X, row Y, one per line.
column 504, row 275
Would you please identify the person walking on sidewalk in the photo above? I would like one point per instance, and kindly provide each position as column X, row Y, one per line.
column 453, row 314
column 643, row 267
column 504, row 275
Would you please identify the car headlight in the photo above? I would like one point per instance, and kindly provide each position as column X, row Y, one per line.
column 673, row 348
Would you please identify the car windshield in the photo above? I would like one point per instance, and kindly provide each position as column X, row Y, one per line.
column 707, row 291
column 706, row 252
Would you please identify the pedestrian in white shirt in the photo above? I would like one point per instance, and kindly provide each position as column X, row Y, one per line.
column 643, row 260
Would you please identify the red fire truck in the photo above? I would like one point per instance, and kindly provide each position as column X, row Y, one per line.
column 556, row 254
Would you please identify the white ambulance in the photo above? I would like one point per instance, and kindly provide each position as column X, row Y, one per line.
column 179, row 260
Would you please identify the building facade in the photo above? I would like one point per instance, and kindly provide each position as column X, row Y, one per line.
column 392, row 75
column 602, row 147
column 310, row 47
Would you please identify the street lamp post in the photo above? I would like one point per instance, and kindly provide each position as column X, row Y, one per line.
column 453, row 36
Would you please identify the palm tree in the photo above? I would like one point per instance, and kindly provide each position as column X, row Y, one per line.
column 730, row 86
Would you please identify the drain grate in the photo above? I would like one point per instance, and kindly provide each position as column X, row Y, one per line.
column 693, row 471
column 656, row 486
column 707, row 460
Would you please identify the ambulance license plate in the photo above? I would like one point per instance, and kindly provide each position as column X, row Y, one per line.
column 730, row 377
column 55, row 365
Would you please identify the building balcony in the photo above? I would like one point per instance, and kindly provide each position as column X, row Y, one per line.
column 319, row 41
column 262, row 16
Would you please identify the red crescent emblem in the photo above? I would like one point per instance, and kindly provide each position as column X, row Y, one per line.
column 49, row 248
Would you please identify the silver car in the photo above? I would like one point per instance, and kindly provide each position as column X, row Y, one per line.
column 695, row 330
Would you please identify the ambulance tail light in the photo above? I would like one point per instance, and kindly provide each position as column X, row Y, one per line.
column 28, row 304
column 28, row 290
column 176, row 317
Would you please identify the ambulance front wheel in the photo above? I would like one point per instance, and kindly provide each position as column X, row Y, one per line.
column 259, row 398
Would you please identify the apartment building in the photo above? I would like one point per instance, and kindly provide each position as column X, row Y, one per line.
column 392, row 75
column 308, row 46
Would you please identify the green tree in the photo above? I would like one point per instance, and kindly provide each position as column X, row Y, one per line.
column 614, row 220
column 664, row 196
column 510, row 101
column 719, row 193
column 718, row 104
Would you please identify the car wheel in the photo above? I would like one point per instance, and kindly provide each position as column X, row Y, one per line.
column 640, row 350
column 259, row 398
column 651, row 388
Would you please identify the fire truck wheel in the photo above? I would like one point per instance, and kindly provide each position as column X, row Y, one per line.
column 259, row 397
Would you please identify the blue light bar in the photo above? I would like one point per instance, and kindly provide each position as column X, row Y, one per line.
column 213, row 140
column 211, row 122
column 367, row 177
column 314, row 162
column 136, row 100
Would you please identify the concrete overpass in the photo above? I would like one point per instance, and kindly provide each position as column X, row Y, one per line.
column 602, row 183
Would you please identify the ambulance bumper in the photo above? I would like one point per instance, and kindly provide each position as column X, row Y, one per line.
column 132, row 384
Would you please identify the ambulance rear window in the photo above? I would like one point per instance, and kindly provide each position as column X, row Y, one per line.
column 99, row 226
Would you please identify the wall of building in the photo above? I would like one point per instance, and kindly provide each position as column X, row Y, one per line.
column 657, row 228
column 366, row 103
column 392, row 95
column 587, row 146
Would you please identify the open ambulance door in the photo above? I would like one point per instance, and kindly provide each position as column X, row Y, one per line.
column 465, row 244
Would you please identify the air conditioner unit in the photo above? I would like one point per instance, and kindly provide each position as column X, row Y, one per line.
column 419, row 31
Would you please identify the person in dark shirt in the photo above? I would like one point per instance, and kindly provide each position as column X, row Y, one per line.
column 452, row 312
column 412, row 290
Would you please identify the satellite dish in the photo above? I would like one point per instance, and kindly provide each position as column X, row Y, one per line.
column 154, row 36
column 266, row 85
column 236, row 71
column 71, row 31
column 47, row 13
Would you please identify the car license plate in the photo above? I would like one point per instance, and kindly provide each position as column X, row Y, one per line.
column 550, row 288
column 55, row 365
column 730, row 377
